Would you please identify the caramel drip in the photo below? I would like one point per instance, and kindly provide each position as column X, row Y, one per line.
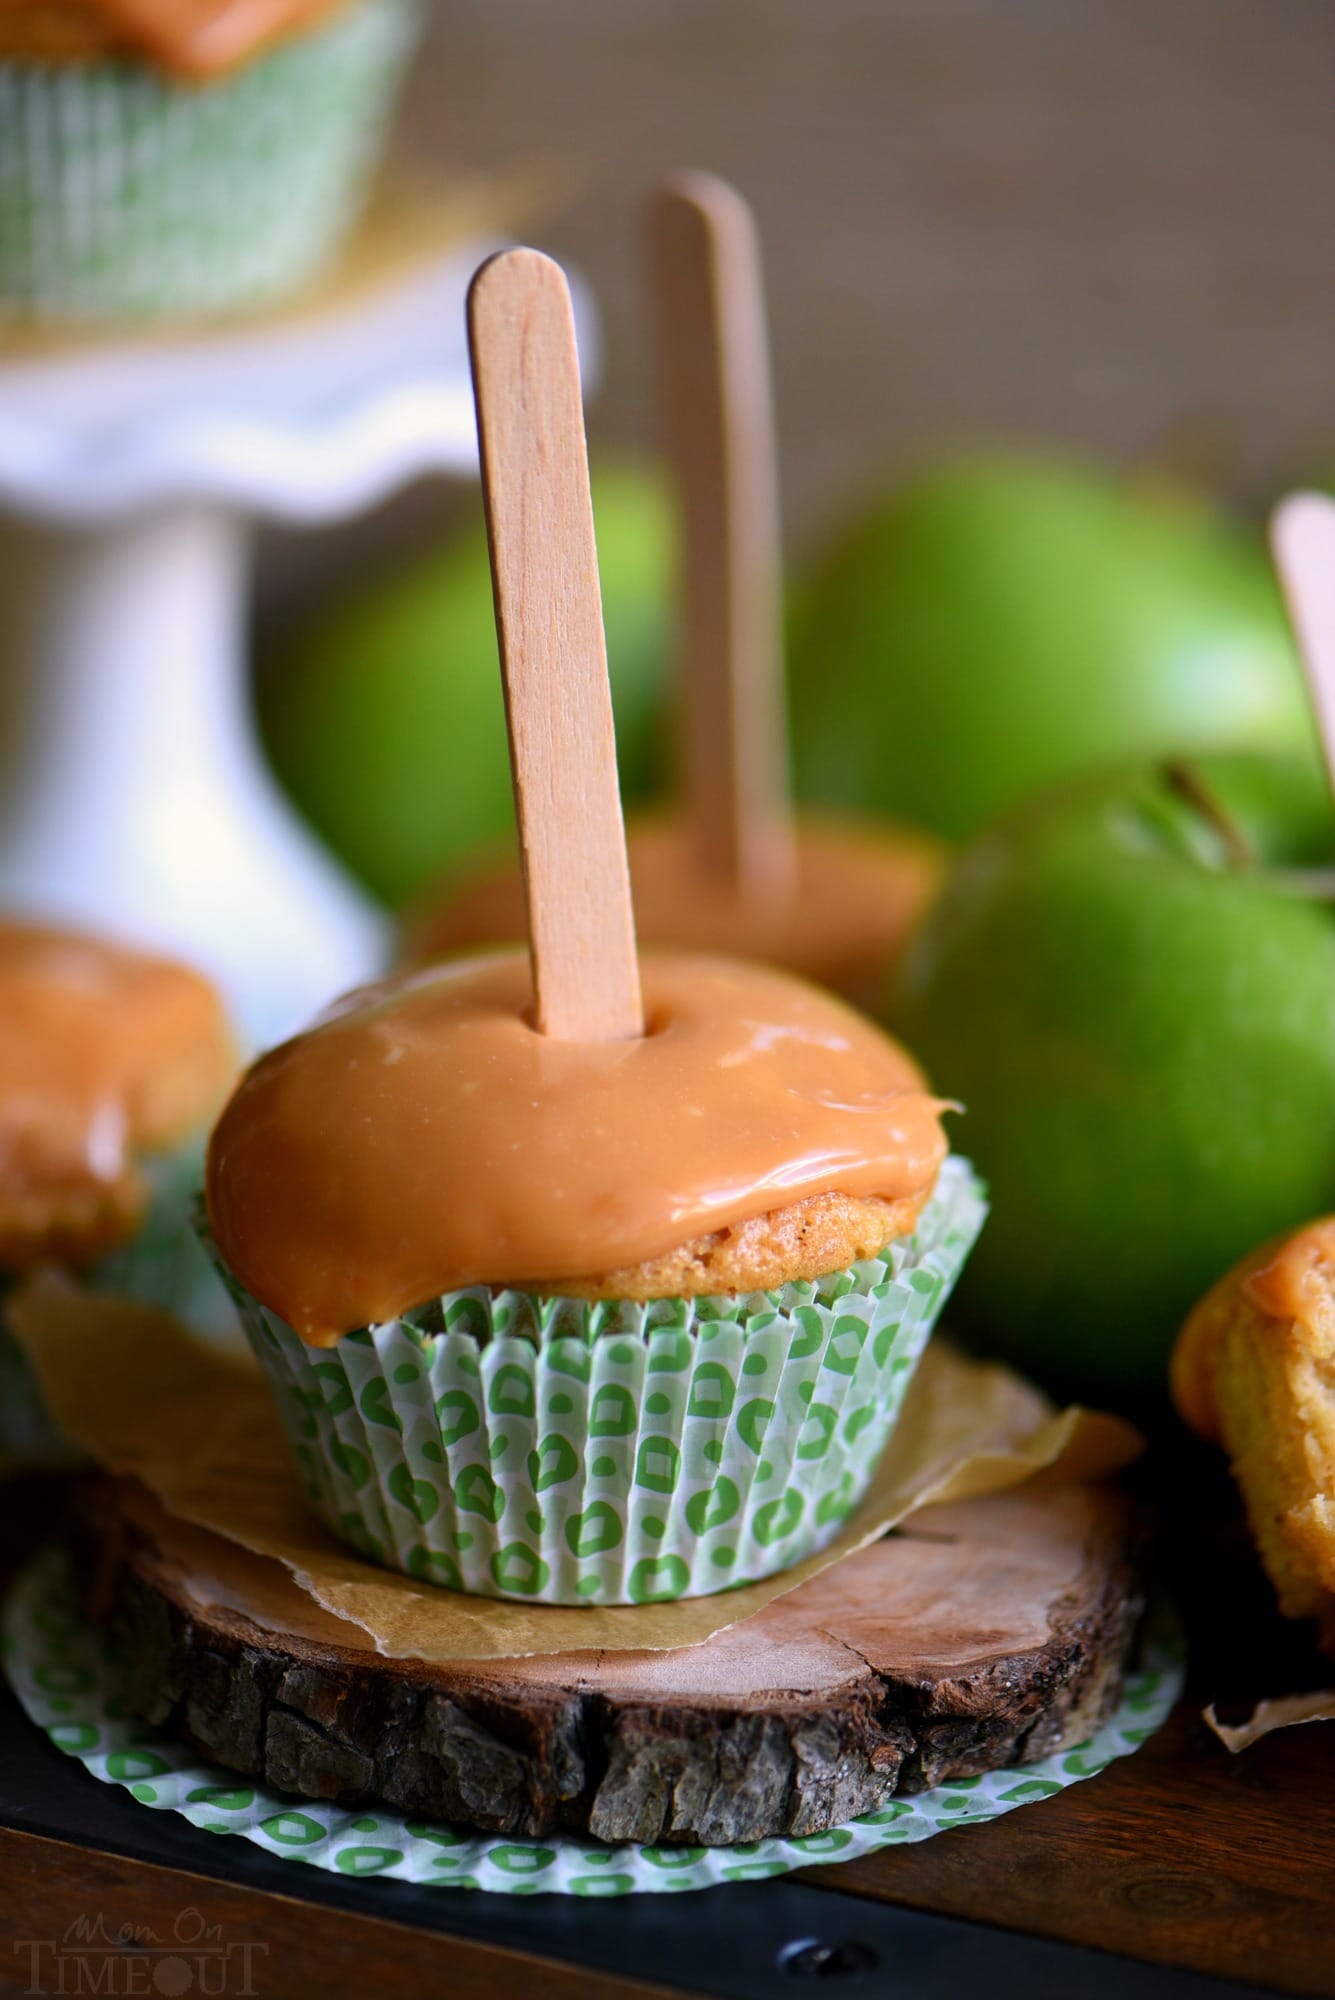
column 858, row 892
column 423, row 1136
column 194, row 40
column 103, row 1052
column 1291, row 1280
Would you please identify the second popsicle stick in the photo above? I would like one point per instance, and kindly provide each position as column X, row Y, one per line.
column 549, row 623
column 717, row 424
column 1302, row 535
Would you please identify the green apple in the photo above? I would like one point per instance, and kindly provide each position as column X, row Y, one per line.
column 1002, row 623
column 384, row 716
column 1129, row 984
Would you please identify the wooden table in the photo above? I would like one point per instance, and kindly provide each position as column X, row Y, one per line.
column 1175, row 1870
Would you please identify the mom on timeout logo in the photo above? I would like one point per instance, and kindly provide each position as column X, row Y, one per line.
column 95, row 1957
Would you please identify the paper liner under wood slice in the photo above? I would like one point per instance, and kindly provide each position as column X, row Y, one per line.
column 145, row 1401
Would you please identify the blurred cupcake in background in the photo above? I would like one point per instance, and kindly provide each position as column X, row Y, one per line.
column 111, row 1064
column 163, row 157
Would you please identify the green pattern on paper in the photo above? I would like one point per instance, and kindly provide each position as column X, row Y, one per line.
column 594, row 1531
column 124, row 196
column 519, row 1570
column 657, row 1578
column 477, row 1493
column 418, row 1495
column 565, row 1451
column 658, row 1465
column 778, row 1519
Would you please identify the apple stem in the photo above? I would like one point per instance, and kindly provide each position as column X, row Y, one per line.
column 1186, row 781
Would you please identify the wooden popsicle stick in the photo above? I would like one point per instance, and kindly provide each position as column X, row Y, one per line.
column 717, row 424
column 1302, row 537
column 549, row 622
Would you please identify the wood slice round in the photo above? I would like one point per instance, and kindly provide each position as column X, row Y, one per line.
column 979, row 1635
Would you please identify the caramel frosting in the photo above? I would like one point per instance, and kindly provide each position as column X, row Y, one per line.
column 859, row 890
column 105, row 1053
column 194, row 40
column 422, row 1136
column 1295, row 1273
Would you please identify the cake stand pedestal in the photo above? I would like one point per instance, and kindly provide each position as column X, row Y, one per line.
column 134, row 799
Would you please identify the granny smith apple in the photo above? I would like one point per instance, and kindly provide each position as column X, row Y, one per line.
column 1001, row 623
column 1129, row 984
column 384, row 715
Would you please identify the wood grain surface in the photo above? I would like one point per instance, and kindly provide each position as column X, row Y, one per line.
column 716, row 432
column 266, row 1945
column 979, row 1635
column 549, row 623
column 1302, row 537
column 1183, row 1854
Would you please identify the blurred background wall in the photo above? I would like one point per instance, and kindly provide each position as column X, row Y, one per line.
column 1096, row 220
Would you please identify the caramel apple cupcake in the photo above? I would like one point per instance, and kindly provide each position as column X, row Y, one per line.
column 1254, row 1372
column 859, row 888
column 588, row 1322
column 111, row 1064
column 185, row 156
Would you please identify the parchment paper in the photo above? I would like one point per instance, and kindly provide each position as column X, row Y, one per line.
column 129, row 1386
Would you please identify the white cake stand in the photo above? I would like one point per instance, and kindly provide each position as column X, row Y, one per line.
column 134, row 799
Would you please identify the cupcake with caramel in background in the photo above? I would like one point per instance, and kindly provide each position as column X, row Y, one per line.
column 111, row 1064
column 857, row 890
column 190, row 157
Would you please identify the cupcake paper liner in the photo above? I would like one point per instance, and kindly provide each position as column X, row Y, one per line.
column 125, row 195
column 556, row 1451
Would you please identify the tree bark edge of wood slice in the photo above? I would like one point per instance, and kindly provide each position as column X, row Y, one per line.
column 979, row 1636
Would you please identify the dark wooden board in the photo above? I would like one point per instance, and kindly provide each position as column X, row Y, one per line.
column 983, row 1635
column 1182, row 1855
column 170, row 1932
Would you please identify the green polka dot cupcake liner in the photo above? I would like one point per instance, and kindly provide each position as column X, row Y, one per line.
column 65, row 1675
column 127, row 196
column 555, row 1451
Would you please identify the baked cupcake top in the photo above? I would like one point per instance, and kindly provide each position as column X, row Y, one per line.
column 193, row 40
column 105, row 1054
column 423, row 1137
column 1252, row 1371
column 858, row 890
column 1287, row 1284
